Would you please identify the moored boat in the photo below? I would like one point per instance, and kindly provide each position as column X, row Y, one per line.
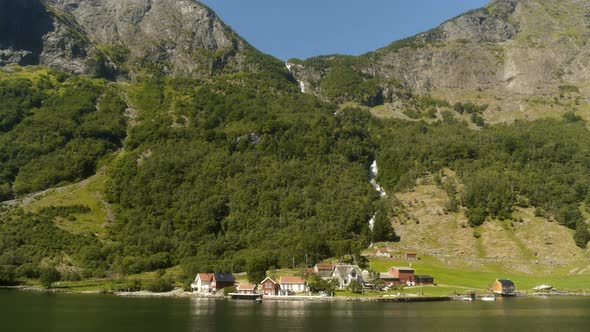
column 543, row 287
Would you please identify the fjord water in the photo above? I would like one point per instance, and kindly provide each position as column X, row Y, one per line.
column 23, row 311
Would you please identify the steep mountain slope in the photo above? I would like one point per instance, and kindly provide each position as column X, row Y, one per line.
column 500, row 55
column 112, row 37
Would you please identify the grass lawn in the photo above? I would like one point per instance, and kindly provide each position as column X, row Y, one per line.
column 452, row 278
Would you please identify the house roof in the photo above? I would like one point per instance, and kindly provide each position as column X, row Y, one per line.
column 324, row 266
column 386, row 276
column 347, row 269
column 247, row 287
column 224, row 277
column 411, row 253
column 407, row 269
column 424, row 276
column 205, row 276
column 274, row 281
column 292, row 280
column 506, row 282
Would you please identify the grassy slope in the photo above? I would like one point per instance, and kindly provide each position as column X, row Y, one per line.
column 530, row 252
column 87, row 193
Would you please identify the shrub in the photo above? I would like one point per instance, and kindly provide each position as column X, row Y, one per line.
column 230, row 289
column 355, row 286
column 48, row 276
column 28, row 270
column 7, row 275
column 159, row 285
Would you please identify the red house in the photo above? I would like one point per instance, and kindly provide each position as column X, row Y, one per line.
column 404, row 274
column 269, row 286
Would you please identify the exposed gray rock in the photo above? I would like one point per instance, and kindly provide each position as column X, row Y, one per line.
column 511, row 47
column 180, row 37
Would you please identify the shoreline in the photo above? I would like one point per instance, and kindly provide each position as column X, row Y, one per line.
column 180, row 293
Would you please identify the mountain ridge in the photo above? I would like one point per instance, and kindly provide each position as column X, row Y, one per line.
column 509, row 49
column 112, row 38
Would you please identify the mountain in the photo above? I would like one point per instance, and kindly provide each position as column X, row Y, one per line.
column 141, row 135
column 114, row 37
column 502, row 55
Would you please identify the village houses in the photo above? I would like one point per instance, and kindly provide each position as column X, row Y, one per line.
column 324, row 270
column 345, row 274
column 270, row 286
column 247, row 289
column 290, row 285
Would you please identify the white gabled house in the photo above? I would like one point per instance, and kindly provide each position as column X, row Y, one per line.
column 290, row 285
column 347, row 273
column 202, row 282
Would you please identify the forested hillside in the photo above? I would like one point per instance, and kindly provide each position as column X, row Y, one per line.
column 231, row 165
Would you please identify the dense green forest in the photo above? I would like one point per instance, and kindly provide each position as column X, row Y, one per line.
column 215, row 174
column 55, row 129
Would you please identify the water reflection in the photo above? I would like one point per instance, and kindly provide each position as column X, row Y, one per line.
column 62, row 312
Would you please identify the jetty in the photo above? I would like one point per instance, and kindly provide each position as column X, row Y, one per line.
column 238, row 296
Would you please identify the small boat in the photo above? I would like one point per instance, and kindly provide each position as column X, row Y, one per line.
column 258, row 300
column 465, row 298
column 543, row 287
column 488, row 298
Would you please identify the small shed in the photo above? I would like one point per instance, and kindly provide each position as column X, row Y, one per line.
column 411, row 255
column 504, row 287
column 383, row 253
column 424, row 280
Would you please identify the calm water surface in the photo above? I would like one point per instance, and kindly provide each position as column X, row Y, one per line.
column 23, row 311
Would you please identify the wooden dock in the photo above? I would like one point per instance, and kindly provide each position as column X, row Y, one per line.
column 238, row 296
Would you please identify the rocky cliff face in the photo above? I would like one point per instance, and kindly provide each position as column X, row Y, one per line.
column 179, row 37
column 508, row 48
column 32, row 34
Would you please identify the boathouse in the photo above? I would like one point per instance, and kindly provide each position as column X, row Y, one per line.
column 247, row 289
column 504, row 287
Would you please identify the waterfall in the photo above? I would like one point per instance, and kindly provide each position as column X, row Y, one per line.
column 372, row 175
column 373, row 171
column 301, row 84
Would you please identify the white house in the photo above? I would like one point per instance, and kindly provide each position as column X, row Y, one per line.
column 383, row 253
column 347, row 273
column 202, row 282
column 292, row 285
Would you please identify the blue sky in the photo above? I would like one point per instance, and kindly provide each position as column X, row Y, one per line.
column 305, row 28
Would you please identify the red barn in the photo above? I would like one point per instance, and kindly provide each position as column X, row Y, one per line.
column 404, row 274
